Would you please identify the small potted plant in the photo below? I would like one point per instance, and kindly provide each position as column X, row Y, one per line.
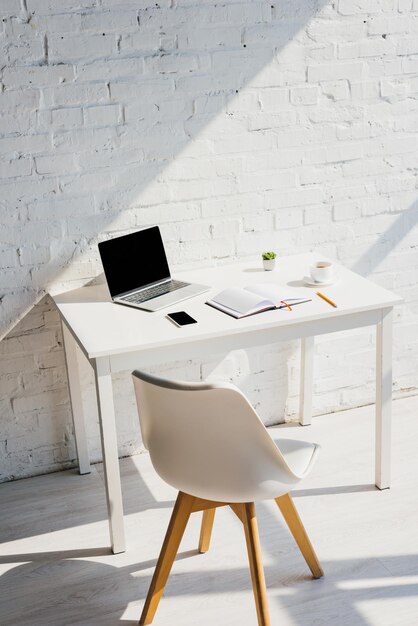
column 269, row 260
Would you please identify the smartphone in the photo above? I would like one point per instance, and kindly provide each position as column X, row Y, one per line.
column 181, row 318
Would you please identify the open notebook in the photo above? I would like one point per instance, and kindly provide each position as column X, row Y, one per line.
column 243, row 301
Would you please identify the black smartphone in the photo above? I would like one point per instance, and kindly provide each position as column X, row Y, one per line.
column 181, row 318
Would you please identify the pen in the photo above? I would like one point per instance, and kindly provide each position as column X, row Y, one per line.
column 287, row 305
column 321, row 295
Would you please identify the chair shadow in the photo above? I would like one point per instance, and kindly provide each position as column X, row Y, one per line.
column 98, row 593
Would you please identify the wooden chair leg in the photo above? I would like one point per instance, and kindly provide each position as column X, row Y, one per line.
column 206, row 529
column 178, row 522
column 249, row 521
column 291, row 516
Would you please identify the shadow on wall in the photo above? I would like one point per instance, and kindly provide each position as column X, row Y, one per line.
column 387, row 241
column 110, row 177
column 96, row 181
column 172, row 75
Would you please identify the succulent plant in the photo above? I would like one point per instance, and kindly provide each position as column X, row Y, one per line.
column 269, row 256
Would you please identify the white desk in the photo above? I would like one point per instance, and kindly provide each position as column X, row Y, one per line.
column 115, row 338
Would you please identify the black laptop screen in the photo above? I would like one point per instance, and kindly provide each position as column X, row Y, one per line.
column 134, row 260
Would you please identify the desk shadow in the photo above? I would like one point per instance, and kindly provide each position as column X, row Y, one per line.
column 254, row 270
column 84, row 502
column 329, row 491
column 43, row 557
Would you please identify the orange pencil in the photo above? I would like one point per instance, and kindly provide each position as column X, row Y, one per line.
column 321, row 295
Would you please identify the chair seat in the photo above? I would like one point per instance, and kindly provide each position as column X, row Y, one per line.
column 299, row 455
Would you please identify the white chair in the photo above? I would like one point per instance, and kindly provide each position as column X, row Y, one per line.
column 207, row 441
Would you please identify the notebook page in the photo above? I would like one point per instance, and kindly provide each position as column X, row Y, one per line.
column 240, row 300
column 277, row 293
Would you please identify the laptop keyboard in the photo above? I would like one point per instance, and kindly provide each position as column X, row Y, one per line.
column 154, row 292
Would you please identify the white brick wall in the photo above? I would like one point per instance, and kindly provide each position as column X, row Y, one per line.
column 236, row 126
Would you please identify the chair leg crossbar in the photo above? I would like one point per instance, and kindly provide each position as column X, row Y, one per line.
column 186, row 505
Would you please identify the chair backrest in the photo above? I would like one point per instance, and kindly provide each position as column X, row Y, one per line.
column 206, row 439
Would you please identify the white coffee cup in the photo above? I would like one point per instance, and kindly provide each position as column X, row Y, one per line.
column 322, row 271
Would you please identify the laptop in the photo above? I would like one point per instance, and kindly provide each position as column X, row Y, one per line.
column 138, row 274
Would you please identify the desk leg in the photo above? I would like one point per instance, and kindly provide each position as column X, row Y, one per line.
column 306, row 381
column 383, row 399
column 71, row 357
column 110, row 454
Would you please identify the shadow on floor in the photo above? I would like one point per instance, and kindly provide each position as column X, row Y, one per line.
column 63, row 588
column 328, row 491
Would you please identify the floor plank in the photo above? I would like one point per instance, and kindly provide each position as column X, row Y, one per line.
column 56, row 567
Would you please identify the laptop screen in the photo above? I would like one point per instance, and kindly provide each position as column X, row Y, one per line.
column 133, row 261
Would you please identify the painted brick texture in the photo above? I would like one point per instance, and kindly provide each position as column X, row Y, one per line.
column 236, row 126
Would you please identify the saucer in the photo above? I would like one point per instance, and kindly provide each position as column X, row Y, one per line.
column 310, row 282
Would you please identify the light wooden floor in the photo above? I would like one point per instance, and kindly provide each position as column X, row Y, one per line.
column 56, row 569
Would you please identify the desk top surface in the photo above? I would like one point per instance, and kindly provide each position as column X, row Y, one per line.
column 104, row 328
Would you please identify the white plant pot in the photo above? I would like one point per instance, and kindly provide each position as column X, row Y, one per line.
column 269, row 264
